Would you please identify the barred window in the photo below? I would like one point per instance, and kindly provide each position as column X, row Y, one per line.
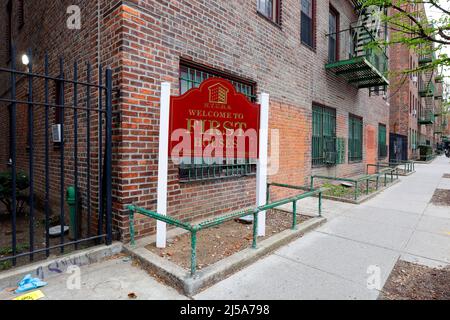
column 192, row 77
column 355, row 138
column 323, row 135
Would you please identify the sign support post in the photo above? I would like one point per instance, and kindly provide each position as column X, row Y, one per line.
column 261, row 174
column 163, row 162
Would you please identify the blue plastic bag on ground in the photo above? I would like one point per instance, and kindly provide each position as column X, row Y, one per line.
column 28, row 283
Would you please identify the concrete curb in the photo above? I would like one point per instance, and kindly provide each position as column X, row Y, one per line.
column 424, row 162
column 180, row 278
column 406, row 174
column 54, row 267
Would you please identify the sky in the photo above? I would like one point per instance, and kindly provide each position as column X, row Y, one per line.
column 434, row 13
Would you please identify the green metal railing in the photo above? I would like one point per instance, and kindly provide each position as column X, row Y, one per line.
column 364, row 63
column 426, row 88
column 194, row 229
column 384, row 173
column 426, row 117
column 426, row 54
column 408, row 166
column 366, row 45
column 425, row 58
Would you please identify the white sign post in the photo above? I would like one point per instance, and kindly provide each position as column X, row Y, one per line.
column 261, row 174
column 163, row 162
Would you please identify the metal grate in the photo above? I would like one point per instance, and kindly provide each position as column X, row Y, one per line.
column 202, row 172
column 340, row 147
column 323, row 135
column 192, row 78
column 83, row 160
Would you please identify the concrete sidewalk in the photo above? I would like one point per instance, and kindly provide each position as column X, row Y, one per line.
column 329, row 263
column 337, row 260
column 108, row 280
column 113, row 279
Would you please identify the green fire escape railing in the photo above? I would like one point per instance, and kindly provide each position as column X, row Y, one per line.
column 425, row 58
column 366, row 63
column 194, row 229
column 426, row 54
column 407, row 166
column 426, row 88
column 426, row 117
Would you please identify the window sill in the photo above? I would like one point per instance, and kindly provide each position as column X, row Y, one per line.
column 312, row 48
column 275, row 24
column 320, row 166
column 354, row 161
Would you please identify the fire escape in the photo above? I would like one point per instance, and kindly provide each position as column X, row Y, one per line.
column 364, row 63
column 426, row 92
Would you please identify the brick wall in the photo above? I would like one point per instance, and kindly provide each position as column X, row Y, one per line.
column 45, row 30
column 144, row 41
column 405, row 96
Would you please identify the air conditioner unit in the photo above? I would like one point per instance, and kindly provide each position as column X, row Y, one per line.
column 414, row 113
column 56, row 133
column 415, row 79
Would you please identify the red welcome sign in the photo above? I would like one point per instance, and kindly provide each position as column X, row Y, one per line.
column 214, row 121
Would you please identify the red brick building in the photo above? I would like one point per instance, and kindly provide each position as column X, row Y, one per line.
column 331, row 119
column 416, row 99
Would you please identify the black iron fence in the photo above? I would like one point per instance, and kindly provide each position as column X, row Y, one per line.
column 68, row 150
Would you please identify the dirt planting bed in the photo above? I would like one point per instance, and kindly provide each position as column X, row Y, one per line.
column 410, row 281
column 23, row 238
column 441, row 197
column 217, row 243
column 348, row 192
